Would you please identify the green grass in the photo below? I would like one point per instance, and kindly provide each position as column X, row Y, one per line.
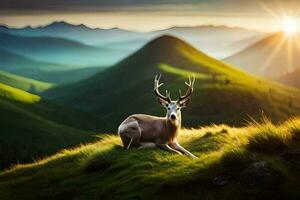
column 18, row 95
column 32, row 128
column 23, row 83
column 223, row 93
column 105, row 170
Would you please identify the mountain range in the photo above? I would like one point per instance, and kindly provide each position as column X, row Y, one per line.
column 43, row 71
column 110, row 93
column 214, row 40
column 63, row 51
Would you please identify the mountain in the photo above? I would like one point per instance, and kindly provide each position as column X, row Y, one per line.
column 42, row 71
column 60, row 51
column 291, row 78
column 27, row 133
column 223, row 94
column 79, row 33
column 26, row 84
column 258, row 161
column 272, row 56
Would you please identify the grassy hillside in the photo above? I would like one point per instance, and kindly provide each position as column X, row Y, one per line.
column 60, row 50
column 259, row 161
column 272, row 56
column 26, row 84
column 223, row 94
column 69, row 76
column 19, row 64
column 31, row 128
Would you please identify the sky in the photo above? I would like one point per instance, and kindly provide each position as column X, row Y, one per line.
column 148, row 15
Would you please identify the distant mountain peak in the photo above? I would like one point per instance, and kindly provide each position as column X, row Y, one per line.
column 167, row 43
column 165, row 38
column 3, row 26
column 210, row 26
column 165, row 48
column 63, row 24
column 58, row 24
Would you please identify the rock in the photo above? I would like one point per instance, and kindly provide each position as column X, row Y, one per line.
column 221, row 180
column 96, row 165
column 208, row 134
column 260, row 175
column 292, row 156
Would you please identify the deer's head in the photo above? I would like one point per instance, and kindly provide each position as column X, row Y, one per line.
column 173, row 107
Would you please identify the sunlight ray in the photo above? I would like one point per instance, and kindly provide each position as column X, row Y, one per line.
column 290, row 65
column 268, row 10
column 268, row 61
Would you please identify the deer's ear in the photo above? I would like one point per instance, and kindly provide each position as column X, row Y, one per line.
column 163, row 102
column 184, row 103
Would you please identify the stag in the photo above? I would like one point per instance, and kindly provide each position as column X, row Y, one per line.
column 146, row 131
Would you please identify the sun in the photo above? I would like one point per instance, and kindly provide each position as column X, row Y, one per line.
column 290, row 26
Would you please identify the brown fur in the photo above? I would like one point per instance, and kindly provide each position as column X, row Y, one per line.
column 143, row 128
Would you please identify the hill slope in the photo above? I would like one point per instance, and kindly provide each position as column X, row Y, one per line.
column 43, row 71
column 26, row 84
column 222, row 93
column 59, row 50
column 272, row 56
column 291, row 78
column 254, row 162
column 31, row 128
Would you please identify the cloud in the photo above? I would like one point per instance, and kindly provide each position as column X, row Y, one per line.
column 181, row 7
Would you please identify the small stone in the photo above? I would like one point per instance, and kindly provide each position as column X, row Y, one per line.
column 292, row 156
column 221, row 180
column 259, row 174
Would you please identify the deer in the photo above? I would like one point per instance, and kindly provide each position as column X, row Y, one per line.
column 147, row 131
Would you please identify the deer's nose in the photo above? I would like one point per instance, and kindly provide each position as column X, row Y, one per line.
column 173, row 116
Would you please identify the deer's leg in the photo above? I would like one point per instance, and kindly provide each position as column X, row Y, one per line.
column 166, row 147
column 178, row 147
column 130, row 134
column 131, row 139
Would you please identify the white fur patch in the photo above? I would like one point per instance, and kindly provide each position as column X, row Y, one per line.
column 145, row 145
column 126, row 125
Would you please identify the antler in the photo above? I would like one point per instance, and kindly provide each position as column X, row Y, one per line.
column 189, row 91
column 166, row 98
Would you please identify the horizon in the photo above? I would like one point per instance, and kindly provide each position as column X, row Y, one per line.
column 163, row 28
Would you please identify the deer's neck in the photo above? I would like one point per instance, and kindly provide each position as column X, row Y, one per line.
column 173, row 127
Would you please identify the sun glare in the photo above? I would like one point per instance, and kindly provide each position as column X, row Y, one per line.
column 290, row 26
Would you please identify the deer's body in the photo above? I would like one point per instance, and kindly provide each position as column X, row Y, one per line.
column 149, row 128
column 144, row 131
